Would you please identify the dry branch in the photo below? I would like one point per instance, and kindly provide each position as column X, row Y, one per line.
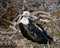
column 46, row 13
column 7, row 33
column 5, row 10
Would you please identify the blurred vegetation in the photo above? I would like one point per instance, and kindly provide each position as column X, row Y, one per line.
column 16, row 8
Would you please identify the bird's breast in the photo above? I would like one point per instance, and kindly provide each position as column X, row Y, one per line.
column 24, row 21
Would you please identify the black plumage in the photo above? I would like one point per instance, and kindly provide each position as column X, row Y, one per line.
column 35, row 32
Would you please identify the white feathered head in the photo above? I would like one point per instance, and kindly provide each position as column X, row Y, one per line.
column 26, row 13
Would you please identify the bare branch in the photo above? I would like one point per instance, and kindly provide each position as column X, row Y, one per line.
column 41, row 12
column 8, row 21
column 16, row 17
column 5, row 10
column 7, row 33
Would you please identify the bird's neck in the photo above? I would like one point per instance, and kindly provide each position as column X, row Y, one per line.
column 25, row 21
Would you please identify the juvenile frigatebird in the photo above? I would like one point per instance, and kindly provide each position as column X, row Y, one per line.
column 33, row 31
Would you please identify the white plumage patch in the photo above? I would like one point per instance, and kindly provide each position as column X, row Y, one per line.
column 24, row 20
